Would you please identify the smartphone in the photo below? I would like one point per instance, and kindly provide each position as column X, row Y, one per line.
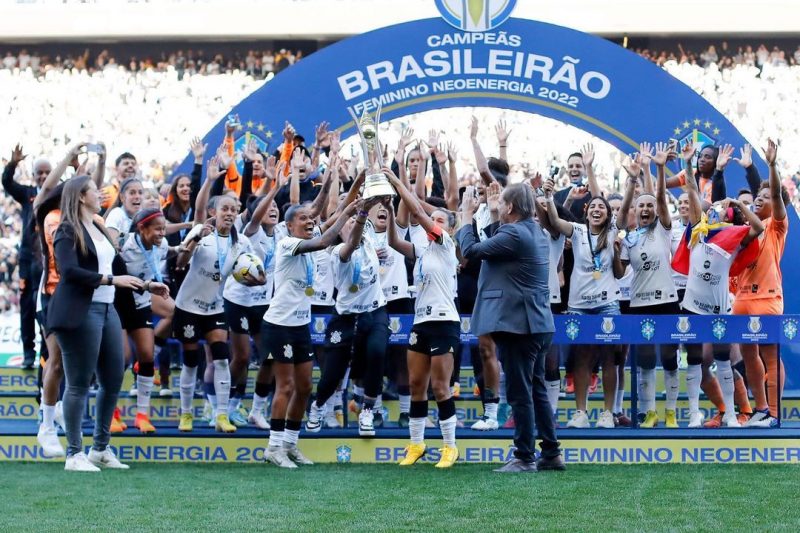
column 96, row 148
column 232, row 120
column 554, row 170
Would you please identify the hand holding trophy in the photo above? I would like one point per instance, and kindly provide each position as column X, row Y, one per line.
column 375, row 183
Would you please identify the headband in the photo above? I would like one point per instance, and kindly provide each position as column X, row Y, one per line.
column 150, row 217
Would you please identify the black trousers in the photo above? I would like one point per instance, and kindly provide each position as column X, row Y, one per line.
column 523, row 358
column 30, row 275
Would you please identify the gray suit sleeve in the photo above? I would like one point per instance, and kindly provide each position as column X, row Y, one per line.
column 502, row 245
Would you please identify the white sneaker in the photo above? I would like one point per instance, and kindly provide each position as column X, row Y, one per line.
column 331, row 421
column 729, row 420
column 366, row 426
column 48, row 440
column 295, row 455
column 79, row 463
column 696, row 420
column 485, row 424
column 59, row 415
column 606, row 420
column 165, row 393
column 106, row 459
column 258, row 420
column 579, row 420
column 134, row 392
column 277, row 456
column 314, row 420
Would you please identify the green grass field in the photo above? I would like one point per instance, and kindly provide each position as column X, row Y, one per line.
column 196, row 497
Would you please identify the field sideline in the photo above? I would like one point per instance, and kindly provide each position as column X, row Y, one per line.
column 197, row 497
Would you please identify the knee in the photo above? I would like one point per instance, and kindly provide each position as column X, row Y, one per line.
column 417, row 384
column 441, row 390
column 303, row 388
column 284, row 388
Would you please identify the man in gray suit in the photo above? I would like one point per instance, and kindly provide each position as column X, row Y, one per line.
column 513, row 305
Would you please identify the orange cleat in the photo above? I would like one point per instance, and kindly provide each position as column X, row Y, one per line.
column 143, row 424
column 569, row 386
column 118, row 419
column 715, row 422
column 594, row 383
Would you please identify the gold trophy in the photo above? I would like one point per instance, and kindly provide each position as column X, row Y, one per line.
column 375, row 182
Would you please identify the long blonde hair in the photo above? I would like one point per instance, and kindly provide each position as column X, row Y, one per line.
column 71, row 207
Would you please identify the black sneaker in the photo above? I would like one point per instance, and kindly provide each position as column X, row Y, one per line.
column 377, row 419
column 403, row 420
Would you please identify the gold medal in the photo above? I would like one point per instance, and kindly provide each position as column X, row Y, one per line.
column 596, row 274
column 622, row 234
column 354, row 288
column 309, row 291
column 382, row 270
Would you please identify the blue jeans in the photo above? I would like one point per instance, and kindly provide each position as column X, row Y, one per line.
column 94, row 347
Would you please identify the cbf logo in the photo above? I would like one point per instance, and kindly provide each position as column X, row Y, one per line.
column 718, row 328
column 790, row 328
column 608, row 325
column 683, row 324
column 648, row 328
column 343, row 453
column 475, row 15
column 573, row 329
column 754, row 325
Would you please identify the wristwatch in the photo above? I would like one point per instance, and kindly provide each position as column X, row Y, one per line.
column 110, row 280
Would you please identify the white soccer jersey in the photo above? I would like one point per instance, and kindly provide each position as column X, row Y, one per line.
column 357, row 281
column 264, row 246
column 392, row 270
column 648, row 251
column 556, row 249
column 119, row 220
column 585, row 292
column 201, row 291
column 707, row 284
column 323, row 276
column 146, row 265
column 434, row 277
column 290, row 305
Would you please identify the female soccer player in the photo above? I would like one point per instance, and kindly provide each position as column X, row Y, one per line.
column 129, row 201
column 436, row 330
column 285, row 337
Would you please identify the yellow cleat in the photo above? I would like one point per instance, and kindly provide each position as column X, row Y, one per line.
column 449, row 456
column 143, row 424
column 413, row 453
column 224, row 425
column 650, row 420
column 186, row 422
column 455, row 390
column 339, row 418
column 670, row 419
column 118, row 419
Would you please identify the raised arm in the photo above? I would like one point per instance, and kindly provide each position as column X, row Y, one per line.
column 258, row 214
column 298, row 162
column 14, row 189
column 420, row 187
column 411, row 202
column 662, row 205
column 393, row 239
column 633, row 168
column 502, row 138
column 363, row 207
column 213, row 173
column 321, row 200
column 504, row 244
column 695, row 205
column 480, row 159
column 99, row 174
column 451, row 189
column 400, row 154
column 51, row 182
column 750, row 171
column 329, row 236
column 556, row 222
column 587, row 154
column 645, row 156
column 771, row 155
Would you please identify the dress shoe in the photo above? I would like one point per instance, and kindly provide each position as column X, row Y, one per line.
column 551, row 463
column 517, row 465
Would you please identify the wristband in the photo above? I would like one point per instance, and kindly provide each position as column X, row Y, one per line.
column 196, row 238
column 364, row 214
column 110, row 280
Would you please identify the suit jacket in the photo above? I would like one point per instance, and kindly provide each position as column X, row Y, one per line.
column 513, row 291
column 79, row 278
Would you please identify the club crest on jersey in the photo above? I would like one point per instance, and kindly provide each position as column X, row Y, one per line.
column 466, row 324
column 188, row 331
column 319, row 324
column 684, row 326
column 648, row 328
column 336, row 337
column 790, row 328
column 573, row 329
column 287, row 351
column 719, row 327
column 608, row 325
column 343, row 453
column 412, row 339
column 245, row 324
column 754, row 325
column 394, row 324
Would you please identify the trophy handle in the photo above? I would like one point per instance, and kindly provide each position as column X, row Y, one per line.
column 364, row 149
column 378, row 145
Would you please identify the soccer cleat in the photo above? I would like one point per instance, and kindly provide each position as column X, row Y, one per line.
column 165, row 392
column 106, row 459
column 223, row 424
column 594, row 383
column 338, row 412
column 79, row 463
column 296, row 456
column 715, row 422
column 696, row 420
column 449, row 456
column 143, row 424
column 569, row 384
column 650, row 420
column 186, row 422
column 486, row 424
column 134, row 392
column 366, row 427
column 377, row 418
column 579, row 420
column 314, row 420
column 670, row 419
column 403, row 420
column 237, row 419
column 277, row 456
column 157, row 380
column 476, row 391
column 606, row 420
column 743, row 418
column 761, row 419
column 59, row 415
column 332, row 420
column 48, row 440
column 729, row 420
column 118, row 417
column 455, row 390
column 117, row 426
column 622, row 420
column 258, row 420
column 354, row 405
column 413, row 453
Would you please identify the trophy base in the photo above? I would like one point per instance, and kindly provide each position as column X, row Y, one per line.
column 377, row 185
